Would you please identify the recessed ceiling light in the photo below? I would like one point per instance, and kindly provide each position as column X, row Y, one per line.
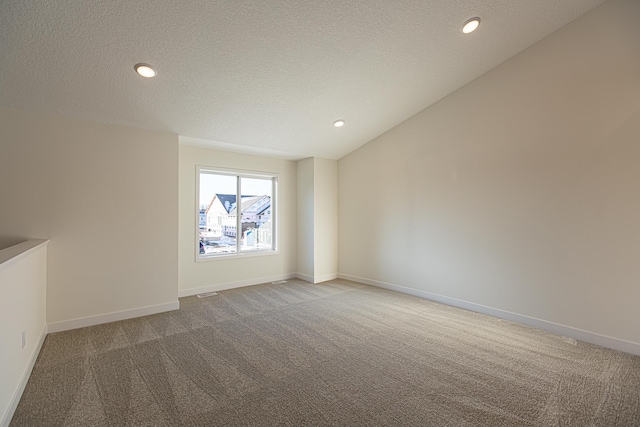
column 338, row 123
column 145, row 70
column 471, row 25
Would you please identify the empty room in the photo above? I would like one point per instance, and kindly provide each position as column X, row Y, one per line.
column 236, row 213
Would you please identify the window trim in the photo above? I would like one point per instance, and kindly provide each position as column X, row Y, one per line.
column 275, row 223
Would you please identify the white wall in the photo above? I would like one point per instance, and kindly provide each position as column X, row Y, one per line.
column 107, row 199
column 317, row 219
column 218, row 274
column 325, row 217
column 305, row 213
column 23, row 281
column 518, row 192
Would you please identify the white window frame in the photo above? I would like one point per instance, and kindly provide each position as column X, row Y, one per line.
column 274, row 213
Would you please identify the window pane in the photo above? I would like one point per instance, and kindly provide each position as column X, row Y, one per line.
column 217, row 203
column 257, row 224
column 226, row 225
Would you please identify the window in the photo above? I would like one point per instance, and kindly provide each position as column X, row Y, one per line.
column 236, row 213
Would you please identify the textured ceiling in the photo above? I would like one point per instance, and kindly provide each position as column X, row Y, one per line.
column 265, row 76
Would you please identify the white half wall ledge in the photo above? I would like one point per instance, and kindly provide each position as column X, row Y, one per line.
column 545, row 325
column 24, row 379
column 23, row 282
column 16, row 252
column 67, row 325
column 232, row 285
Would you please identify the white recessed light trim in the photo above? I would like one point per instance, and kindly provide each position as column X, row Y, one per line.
column 471, row 25
column 145, row 70
column 339, row 123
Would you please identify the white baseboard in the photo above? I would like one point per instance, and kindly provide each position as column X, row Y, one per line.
column 556, row 328
column 6, row 419
column 304, row 277
column 325, row 278
column 317, row 279
column 82, row 322
column 232, row 285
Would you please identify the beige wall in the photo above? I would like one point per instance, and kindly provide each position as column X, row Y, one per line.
column 317, row 219
column 325, row 219
column 519, row 191
column 107, row 199
column 305, row 213
column 218, row 274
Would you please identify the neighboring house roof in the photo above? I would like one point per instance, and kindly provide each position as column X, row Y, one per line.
column 228, row 201
column 249, row 201
column 263, row 208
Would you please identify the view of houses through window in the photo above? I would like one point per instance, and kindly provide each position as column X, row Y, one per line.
column 235, row 212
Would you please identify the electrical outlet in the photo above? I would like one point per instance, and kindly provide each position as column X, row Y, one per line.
column 24, row 338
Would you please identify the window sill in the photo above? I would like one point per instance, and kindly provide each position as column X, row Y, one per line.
column 221, row 257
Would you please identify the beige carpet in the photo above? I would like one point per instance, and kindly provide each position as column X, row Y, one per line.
column 337, row 353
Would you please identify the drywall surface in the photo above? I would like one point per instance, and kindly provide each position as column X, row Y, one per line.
column 325, row 214
column 305, row 214
column 317, row 219
column 218, row 274
column 23, row 284
column 107, row 199
column 520, row 190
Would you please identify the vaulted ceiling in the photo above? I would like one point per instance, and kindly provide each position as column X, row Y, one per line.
column 268, row 77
